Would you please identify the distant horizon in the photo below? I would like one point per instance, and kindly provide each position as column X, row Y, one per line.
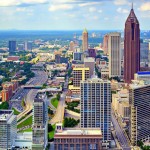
column 66, row 30
column 71, row 14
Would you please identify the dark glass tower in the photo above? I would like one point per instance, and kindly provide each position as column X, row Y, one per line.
column 131, row 47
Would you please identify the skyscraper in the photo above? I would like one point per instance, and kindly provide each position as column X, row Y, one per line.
column 139, row 100
column 114, row 51
column 105, row 44
column 28, row 45
column 12, row 46
column 96, row 105
column 8, row 129
column 40, row 122
column 131, row 47
column 85, row 40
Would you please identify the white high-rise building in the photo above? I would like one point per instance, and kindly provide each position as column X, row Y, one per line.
column 114, row 52
column 8, row 129
column 96, row 105
column 40, row 122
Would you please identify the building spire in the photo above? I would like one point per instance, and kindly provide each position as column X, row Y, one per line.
column 132, row 5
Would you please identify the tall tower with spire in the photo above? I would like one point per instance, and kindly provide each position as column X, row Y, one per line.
column 131, row 47
column 85, row 40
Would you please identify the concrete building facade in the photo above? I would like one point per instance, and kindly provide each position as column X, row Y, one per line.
column 139, row 100
column 40, row 122
column 114, row 52
column 8, row 129
column 77, row 138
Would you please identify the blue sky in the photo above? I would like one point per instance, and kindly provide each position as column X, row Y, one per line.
column 71, row 14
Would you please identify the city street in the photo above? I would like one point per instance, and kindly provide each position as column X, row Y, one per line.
column 119, row 133
column 59, row 115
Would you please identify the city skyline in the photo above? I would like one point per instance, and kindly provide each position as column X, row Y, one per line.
column 19, row 14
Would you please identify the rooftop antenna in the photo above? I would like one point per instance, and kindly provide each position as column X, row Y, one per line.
column 132, row 5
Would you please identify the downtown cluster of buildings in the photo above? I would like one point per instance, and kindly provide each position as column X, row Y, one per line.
column 99, row 97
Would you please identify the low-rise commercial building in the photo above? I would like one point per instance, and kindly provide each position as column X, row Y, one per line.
column 77, row 138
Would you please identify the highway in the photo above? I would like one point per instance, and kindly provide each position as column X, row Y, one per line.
column 40, row 78
column 119, row 133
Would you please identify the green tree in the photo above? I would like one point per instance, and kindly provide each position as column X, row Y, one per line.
column 4, row 105
column 50, row 128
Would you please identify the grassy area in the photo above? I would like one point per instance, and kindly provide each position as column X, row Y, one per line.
column 25, row 123
column 51, row 134
column 54, row 102
column 15, row 111
column 27, row 130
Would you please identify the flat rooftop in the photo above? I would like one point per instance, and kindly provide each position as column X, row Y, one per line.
column 40, row 96
column 79, row 131
column 5, row 114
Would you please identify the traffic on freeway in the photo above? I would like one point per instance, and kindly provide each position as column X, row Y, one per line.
column 39, row 79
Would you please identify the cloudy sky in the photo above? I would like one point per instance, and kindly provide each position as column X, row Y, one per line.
column 71, row 14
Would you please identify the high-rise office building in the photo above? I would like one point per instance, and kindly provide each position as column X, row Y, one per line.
column 28, row 45
column 96, row 105
column 85, row 40
column 139, row 100
column 8, row 129
column 78, row 56
column 144, row 51
column 114, row 51
column 131, row 47
column 40, row 122
column 90, row 63
column 105, row 44
column 12, row 46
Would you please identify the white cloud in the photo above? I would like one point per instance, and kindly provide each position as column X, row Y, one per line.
column 60, row 7
column 121, row 10
column 7, row 3
column 121, row 2
column 145, row 7
column 92, row 9
column 89, row 4
column 24, row 9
